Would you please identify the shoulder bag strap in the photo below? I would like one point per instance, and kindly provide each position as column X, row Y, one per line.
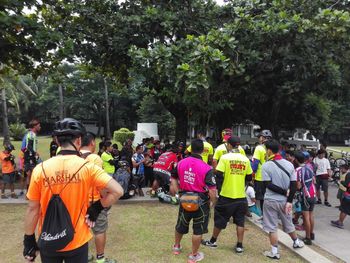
column 281, row 167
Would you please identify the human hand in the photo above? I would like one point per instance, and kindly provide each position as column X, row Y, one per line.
column 31, row 249
column 288, row 208
column 90, row 223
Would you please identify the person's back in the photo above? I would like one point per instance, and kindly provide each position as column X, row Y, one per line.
column 59, row 171
column 278, row 177
column 238, row 166
column 165, row 162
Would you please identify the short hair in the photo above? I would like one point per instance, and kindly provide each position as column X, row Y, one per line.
column 87, row 138
column 234, row 141
column 107, row 143
column 115, row 146
column 33, row 123
column 272, row 145
column 320, row 151
column 65, row 140
column 197, row 146
column 290, row 152
column 138, row 147
column 300, row 157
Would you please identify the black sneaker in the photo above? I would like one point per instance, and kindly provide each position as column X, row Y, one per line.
column 209, row 244
column 312, row 236
column 307, row 241
column 327, row 204
column 319, row 202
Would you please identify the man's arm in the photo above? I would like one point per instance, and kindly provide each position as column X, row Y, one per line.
column 114, row 192
column 212, row 195
column 31, row 217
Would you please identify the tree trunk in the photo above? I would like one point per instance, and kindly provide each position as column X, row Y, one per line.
column 181, row 121
column 5, row 118
column 108, row 129
column 60, row 94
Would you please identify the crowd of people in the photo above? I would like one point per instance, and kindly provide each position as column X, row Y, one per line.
column 274, row 182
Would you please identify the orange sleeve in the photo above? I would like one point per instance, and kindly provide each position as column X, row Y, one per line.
column 34, row 190
column 101, row 178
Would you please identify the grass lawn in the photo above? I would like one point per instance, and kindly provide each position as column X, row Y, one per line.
column 145, row 233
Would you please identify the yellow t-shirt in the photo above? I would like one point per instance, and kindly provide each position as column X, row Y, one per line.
column 222, row 149
column 259, row 154
column 235, row 167
column 106, row 157
column 59, row 170
column 207, row 151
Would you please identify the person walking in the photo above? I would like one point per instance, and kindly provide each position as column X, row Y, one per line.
column 280, row 181
column 197, row 190
column 87, row 150
column 64, row 182
column 233, row 171
column 345, row 201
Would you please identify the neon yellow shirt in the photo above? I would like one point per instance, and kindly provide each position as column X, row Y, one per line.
column 235, row 167
column 259, row 154
column 208, row 150
column 222, row 149
column 109, row 168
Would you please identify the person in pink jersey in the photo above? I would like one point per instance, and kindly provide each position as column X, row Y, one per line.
column 194, row 177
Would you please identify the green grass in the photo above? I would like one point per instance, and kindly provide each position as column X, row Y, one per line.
column 144, row 233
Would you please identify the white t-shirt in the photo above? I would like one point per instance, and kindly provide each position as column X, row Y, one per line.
column 322, row 165
column 250, row 193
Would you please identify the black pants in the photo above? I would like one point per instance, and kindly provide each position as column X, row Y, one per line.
column 148, row 176
column 78, row 255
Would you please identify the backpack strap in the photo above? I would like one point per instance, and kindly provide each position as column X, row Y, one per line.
column 281, row 167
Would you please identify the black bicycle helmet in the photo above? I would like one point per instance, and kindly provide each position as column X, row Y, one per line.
column 9, row 147
column 266, row 133
column 69, row 126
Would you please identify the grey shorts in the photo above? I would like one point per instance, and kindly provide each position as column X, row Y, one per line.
column 9, row 178
column 321, row 183
column 101, row 223
column 273, row 211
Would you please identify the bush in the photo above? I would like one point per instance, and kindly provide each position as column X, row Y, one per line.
column 17, row 131
column 122, row 135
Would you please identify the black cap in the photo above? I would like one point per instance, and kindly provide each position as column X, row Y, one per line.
column 234, row 141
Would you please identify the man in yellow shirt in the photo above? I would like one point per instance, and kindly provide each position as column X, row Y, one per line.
column 87, row 151
column 108, row 160
column 207, row 154
column 222, row 148
column 70, row 177
column 232, row 172
column 259, row 158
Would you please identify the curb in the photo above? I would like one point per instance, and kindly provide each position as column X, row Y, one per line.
column 306, row 252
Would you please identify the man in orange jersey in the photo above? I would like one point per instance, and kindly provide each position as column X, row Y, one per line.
column 70, row 176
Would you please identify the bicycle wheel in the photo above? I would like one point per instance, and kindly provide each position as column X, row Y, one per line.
column 332, row 162
column 340, row 161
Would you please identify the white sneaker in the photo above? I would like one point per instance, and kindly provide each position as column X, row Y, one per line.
column 298, row 243
column 271, row 255
column 195, row 258
column 239, row 249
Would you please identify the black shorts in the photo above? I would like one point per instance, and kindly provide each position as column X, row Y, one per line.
column 29, row 167
column 321, row 183
column 226, row 208
column 200, row 220
column 345, row 206
column 260, row 190
column 162, row 178
column 307, row 204
column 78, row 255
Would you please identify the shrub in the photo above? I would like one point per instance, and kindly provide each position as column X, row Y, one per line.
column 17, row 131
column 122, row 135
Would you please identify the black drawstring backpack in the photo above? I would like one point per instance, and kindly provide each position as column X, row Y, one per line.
column 57, row 230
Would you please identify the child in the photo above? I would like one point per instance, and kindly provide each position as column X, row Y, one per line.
column 8, row 170
column 138, row 170
column 250, row 193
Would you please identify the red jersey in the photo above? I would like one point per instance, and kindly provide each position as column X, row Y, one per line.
column 165, row 163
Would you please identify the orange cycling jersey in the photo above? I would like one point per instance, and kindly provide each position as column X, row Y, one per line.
column 59, row 170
